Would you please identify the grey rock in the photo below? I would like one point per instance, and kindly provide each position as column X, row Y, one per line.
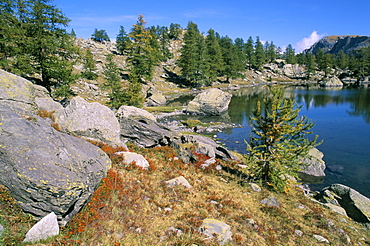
column 207, row 147
column 92, row 121
column 210, row 102
column 271, row 202
column 255, row 187
column 144, row 132
column 47, row 227
column 47, row 170
column 332, row 82
column 155, row 98
column 298, row 233
column 132, row 112
column 130, row 157
column 47, row 104
column 179, row 181
column 314, row 167
column 321, row 239
column 1, row 230
column 356, row 205
column 216, row 229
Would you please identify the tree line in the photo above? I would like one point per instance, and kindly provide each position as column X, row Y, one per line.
column 34, row 43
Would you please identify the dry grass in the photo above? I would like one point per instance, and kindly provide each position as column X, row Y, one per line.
column 135, row 207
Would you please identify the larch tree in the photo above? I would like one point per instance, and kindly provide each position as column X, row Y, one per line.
column 214, row 60
column 123, row 41
column 278, row 142
column 259, row 55
column 192, row 59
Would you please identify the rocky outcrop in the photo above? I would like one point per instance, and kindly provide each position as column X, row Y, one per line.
column 356, row 205
column 144, row 132
column 155, row 98
column 210, row 102
column 44, row 169
column 92, row 121
column 314, row 167
column 333, row 44
column 332, row 82
column 134, row 113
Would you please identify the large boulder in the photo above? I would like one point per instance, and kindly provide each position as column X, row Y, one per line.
column 143, row 131
column 357, row 206
column 210, row 102
column 155, row 98
column 47, row 170
column 217, row 229
column 332, row 82
column 92, row 121
column 134, row 112
column 314, row 167
column 44, row 169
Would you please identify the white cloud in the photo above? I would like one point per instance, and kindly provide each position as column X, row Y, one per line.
column 306, row 43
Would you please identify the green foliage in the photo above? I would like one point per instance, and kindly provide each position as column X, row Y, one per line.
column 259, row 55
column 250, row 53
column 123, row 41
column 214, row 60
column 233, row 59
column 193, row 67
column 143, row 52
column 175, row 31
column 34, row 43
column 324, row 61
column 289, row 55
column 89, row 66
column 100, row 35
column 278, row 141
column 113, row 82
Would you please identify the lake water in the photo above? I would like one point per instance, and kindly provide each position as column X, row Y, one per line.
column 342, row 118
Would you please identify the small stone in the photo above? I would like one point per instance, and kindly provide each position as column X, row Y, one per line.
column 255, row 187
column 216, row 228
column 271, row 202
column 45, row 228
column 1, row 230
column 321, row 239
column 179, row 181
column 298, row 233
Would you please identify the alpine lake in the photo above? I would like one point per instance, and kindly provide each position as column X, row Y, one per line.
column 341, row 117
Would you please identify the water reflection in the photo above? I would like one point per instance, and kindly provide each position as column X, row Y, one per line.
column 342, row 118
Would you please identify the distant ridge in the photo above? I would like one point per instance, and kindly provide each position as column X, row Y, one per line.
column 333, row 44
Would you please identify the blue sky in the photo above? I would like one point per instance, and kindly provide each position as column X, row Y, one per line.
column 299, row 22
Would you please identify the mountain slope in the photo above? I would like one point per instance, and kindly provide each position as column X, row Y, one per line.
column 333, row 44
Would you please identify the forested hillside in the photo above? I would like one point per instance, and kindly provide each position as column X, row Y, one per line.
column 34, row 43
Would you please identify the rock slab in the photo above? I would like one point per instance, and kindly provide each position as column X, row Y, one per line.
column 45, row 228
column 210, row 102
column 216, row 228
column 92, row 121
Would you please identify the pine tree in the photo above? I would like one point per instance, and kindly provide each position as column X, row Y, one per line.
column 323, row 61
column 89, row 66
column 271, row 54
column 214, row 60
column 233, row 63
column 192, row 59
column 143, row 51
column 73, row 34
column 175, row 31
column 250, row 53
column 52, row 47
column 113, row 82
column 289, row 55
column 100, row 35
column 123, row 41
column 260, row 55
column 310, row 65
column 278, row 141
